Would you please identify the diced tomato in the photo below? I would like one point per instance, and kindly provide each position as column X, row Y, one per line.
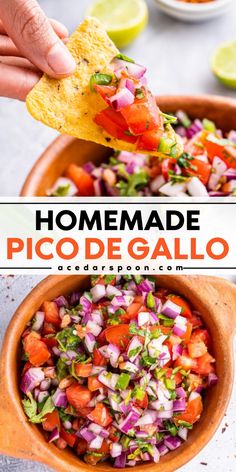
column 229, row 156
column 201, row 335
column 196, row 145
column 143, row 115
column 78, row 396
column 94, row 384
column 52, row 421
column 132, row 312
column 60, row 443
column 104, row 449
column 49, row 328
column 83, row 370
column 197, row 349
column 82, row 447
column 100, row 415
column 185, row 307
column 167, row 165
column 82, row 179
column 150, row 140
column 114, row 124
column 163, row 329
column 27, row 366
column 186, row 336
column 98, row 358
column 118, row 335
column 36, row 350
column 142, row 403
column 114, row 434
column 192, row 412
column 92, row 459
column 50, row 342
column 70, row 438
column 174, row 340
column 204, row 364
column 162, row 293
column 51, row 313
column 105, row 91
column 178, row 378
column 84, row 412
column 199, row 169
column 213, row 149
column 195, row 321
column 186, row 362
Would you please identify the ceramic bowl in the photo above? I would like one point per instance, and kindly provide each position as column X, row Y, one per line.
column 194, row 12
column 65, row 150
column 214, row 298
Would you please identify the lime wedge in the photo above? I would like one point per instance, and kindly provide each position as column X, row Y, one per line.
column 223, row 64
column 123, row 20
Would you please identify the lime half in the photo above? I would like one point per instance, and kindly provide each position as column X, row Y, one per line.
column 223, row 64
column 123, row 19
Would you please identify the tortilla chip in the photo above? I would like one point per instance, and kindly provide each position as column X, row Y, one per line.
column 68, row 105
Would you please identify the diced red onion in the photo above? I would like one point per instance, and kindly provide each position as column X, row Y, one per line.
column 196, row 188
column 61, row 301
column 67, row 424
column 121, row 99
column 95, row 428
column 93, row 328
column 165, row 414
column 180, row 392
column 89, row 342
column 163, row 449
column 108, row 379
column 75, row 319
column 134, row 344
column 71, row 355
column 42, row 396
column 45, row 384
column 116, row 450
column 230, row 174
column 39, row 320
column 181, row 131
column 122, row 301
column 130, row 421
column 172, row 442
column 143, row 318
column 113, row 351
column 179, row 405
column 145, row 286
column 89, row 167
column 96, row 369
column 96, row 443
column 179, row 330
column 153, row 318
column 171, row 309
column 218, row 168
column 36, row 393
column 74, row 298
column 232, row 136
column 87, row 434
column 129, row 367
column 212, row 379
column 177, row 350
column 155, row 454
column 120, row 461
column 193, row 396
column 147, row 418
column 59, row 398
column 133, row 70
column 158, row 405
column 112, row 291
column 98, row 292
column 54, row 435
column 183, row 433
column 31, row 379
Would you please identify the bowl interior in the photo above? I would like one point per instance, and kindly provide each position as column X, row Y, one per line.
column 65, row 150
column 214, row 403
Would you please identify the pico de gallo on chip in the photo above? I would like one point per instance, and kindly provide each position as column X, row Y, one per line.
column 117, row 372
column 206, row 167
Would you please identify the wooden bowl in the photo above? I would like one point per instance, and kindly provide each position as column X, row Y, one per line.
column 214, row 298
column 65, row 150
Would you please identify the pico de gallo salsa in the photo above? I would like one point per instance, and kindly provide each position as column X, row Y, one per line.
column 117, row 372
column 207, row 167
column 130, row 110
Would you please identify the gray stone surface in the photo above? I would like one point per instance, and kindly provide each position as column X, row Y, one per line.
column 177, row 56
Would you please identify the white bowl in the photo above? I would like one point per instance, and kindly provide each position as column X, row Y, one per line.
column 193, row 12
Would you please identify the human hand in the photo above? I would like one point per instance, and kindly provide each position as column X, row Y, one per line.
column 29, row 45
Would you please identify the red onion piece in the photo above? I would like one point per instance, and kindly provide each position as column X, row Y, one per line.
column 98, row 292
column 59, row 398
column 31, row 379
column 54, row 435
column 121, row 99
column 39, row 320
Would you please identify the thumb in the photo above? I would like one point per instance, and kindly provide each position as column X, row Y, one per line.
column 32, row 33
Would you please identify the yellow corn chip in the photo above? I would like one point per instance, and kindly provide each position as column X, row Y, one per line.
column 68, row 105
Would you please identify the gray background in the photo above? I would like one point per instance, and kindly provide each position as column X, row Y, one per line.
column 177, row 57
